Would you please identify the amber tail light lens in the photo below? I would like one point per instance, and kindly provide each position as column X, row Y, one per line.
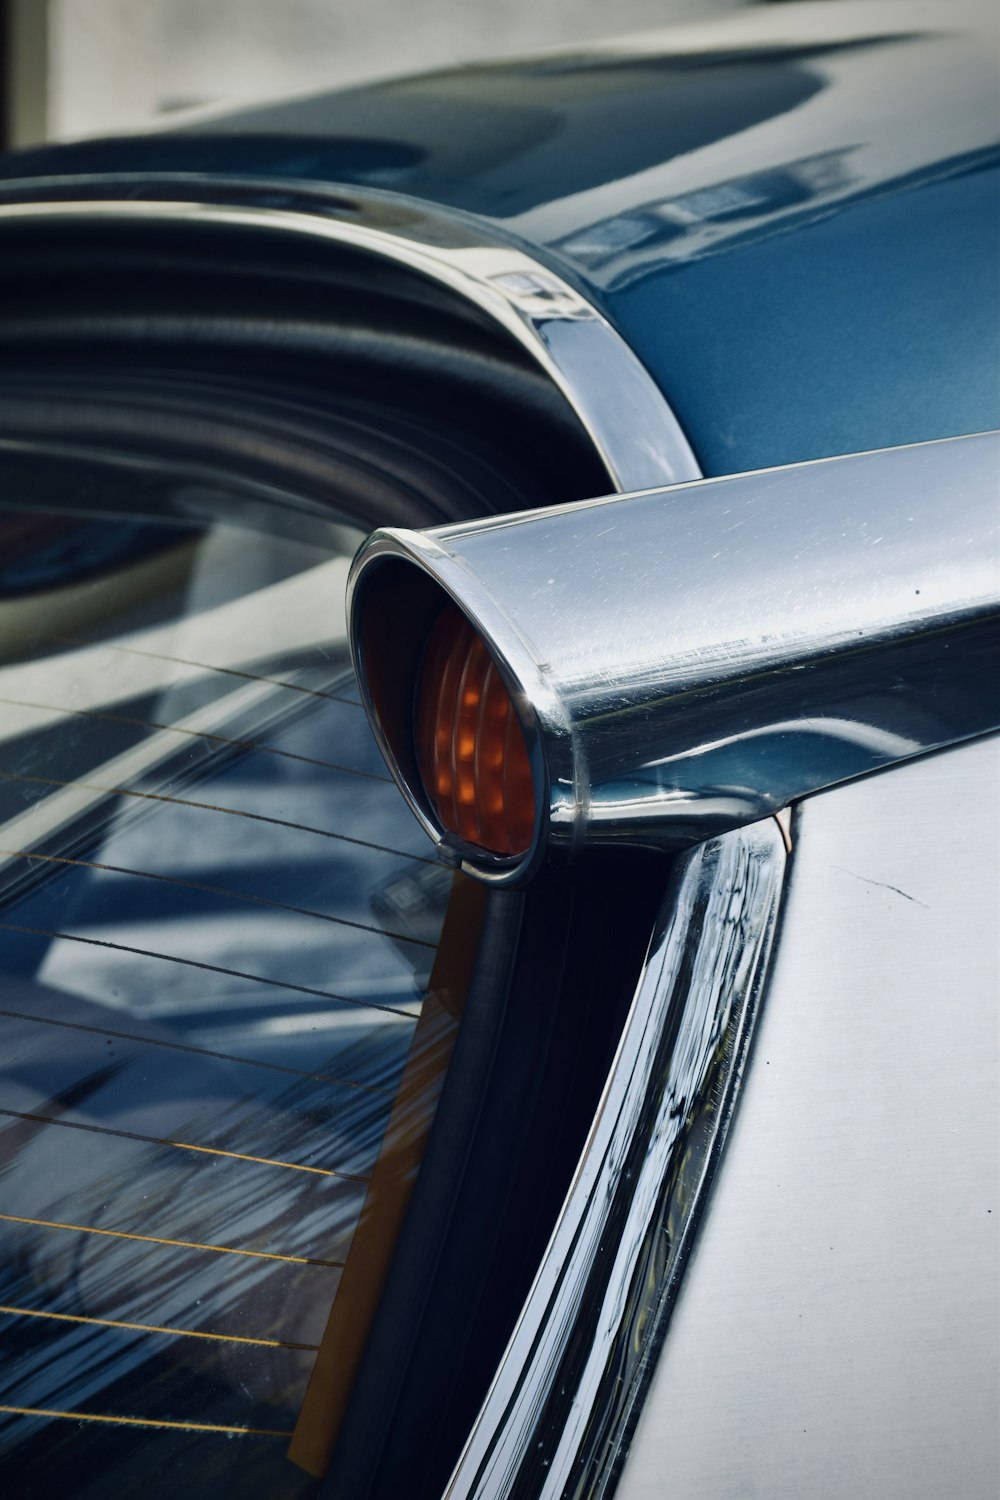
column 470, row 746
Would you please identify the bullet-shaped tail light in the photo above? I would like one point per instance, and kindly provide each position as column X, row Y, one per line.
column 674, row 664
column 453, row 727
column 470, row 747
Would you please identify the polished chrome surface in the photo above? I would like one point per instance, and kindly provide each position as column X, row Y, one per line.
column 837, row 1330
column 691, row 660
column 567, row 1390
column 620, row 406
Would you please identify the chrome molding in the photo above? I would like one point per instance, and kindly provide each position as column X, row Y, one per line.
column 625, row 414
column 568, row 1389
column 690, row 660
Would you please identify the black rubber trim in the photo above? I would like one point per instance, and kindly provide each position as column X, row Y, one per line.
column 543, row 1024
column 391, row 1345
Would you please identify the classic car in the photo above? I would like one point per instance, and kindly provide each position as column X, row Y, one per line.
column 514, row 1015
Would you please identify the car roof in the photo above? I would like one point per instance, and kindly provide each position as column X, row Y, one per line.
column 790, row 212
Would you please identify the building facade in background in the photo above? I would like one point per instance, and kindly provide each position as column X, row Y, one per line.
column 97, row 67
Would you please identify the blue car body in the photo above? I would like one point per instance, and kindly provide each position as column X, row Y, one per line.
column 791, row 216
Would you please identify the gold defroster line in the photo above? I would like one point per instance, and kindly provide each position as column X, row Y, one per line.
column 187, row 1333
column 153, row 1239
column 91, row 1416
column 156, row 1140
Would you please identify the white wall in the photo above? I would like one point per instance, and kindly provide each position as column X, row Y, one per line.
column 116, row 64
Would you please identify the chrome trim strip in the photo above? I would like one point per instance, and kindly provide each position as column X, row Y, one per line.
column 567, row 1392
column 690, row 660
column 616, row 400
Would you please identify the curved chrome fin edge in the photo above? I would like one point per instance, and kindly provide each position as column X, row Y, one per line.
column 616, row 400
column 559, row 1415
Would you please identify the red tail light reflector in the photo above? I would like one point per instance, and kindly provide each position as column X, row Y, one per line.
column 470, row 746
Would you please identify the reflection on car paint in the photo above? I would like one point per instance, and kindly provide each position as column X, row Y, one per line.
column 679, row 227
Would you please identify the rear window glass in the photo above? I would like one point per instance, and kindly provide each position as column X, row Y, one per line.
column 218, row 928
